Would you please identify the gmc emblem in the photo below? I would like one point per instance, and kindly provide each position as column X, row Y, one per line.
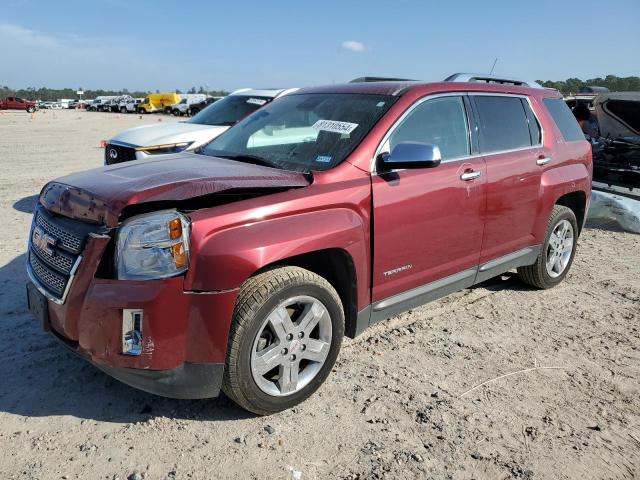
column 43, row 241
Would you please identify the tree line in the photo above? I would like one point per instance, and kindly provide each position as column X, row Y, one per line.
column 52, row 94
column 613, row 83
column 570, row 85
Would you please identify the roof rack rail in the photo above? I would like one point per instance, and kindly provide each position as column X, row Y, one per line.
column 379, row 79
column 481, row 77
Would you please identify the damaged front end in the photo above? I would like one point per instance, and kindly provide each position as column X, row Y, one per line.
column 108, row 253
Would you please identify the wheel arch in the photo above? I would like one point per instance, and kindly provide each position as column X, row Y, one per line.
column 337, row 267
column 332, row 243
column 577, row 202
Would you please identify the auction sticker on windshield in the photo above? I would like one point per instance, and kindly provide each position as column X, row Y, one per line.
column 335, row 126
column 257, row 101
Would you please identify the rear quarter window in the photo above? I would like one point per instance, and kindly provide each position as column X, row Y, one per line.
column 564, row 119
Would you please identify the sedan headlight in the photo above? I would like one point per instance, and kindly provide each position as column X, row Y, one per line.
column 165, row 148
column 154, row 245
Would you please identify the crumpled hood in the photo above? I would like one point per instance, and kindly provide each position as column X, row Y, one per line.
column 149, row 135
column 100, row 195
column 618, row 114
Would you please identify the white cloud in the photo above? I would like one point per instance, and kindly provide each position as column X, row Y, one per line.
column 353, row 46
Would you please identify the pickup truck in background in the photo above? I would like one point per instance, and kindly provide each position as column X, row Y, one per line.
column 186, row 100
column 17, row 103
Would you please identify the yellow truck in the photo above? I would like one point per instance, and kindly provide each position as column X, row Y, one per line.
column 158, row 102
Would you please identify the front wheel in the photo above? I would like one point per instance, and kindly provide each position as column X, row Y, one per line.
column 285, row 337
column 31, row 109
column 558, row 250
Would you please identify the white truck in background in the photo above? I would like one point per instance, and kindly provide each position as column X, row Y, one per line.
column 186, row 100
column 129, row 105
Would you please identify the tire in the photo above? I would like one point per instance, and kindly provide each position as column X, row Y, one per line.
column 260, row 298
column 31, row 109
column 123, row 110
column 539, row 274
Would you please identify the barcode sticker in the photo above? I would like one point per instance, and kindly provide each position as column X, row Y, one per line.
column 335, row 126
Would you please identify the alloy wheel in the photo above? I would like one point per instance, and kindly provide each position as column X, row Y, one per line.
column 291, row 346
column 559, row 248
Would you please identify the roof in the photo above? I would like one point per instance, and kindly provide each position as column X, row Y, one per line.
column 397, row 88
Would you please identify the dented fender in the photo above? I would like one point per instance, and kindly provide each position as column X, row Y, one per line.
column 229, row 243
column 225, row 259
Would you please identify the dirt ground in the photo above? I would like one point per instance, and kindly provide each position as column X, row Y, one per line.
column 403, row 401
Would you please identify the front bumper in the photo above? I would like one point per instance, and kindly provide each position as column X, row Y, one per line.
column 188, row 381
column 184, row 334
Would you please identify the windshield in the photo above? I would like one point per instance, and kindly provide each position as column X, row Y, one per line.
column 229, row 110
column 304, row 132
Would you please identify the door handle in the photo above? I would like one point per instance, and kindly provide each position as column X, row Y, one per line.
column 543, row 160
column 466, row 176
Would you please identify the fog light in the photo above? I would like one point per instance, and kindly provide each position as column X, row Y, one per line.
column 132, row 332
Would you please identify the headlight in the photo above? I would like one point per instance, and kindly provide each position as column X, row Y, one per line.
column 151, row 246
column 164, row 149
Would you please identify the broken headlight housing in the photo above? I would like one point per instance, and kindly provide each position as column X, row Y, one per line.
column 152, row 246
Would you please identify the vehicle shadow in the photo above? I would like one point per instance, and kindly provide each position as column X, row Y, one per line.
column 26, row 204
column 506, row 281
column 41, row 378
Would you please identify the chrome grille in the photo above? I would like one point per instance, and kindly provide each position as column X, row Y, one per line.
column 65, row 239
column 51, row 280
column 60, row 261
column 54, row 252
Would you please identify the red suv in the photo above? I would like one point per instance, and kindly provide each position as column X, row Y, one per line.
column 243, row 266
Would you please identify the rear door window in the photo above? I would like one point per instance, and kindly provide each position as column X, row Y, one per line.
column 503, row 123
column 566, row 122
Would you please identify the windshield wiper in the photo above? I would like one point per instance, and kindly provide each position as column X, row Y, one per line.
column 254, row 159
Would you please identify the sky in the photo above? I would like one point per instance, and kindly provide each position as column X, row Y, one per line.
column 161, row 45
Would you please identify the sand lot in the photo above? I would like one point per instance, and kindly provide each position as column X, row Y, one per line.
column 395, row 407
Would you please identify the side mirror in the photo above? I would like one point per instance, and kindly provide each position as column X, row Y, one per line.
column 410, row 155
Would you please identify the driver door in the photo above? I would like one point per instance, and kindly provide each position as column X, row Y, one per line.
column 428, row 222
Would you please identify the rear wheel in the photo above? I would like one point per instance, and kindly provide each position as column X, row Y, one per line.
column 558, row 250
column 286, row 334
